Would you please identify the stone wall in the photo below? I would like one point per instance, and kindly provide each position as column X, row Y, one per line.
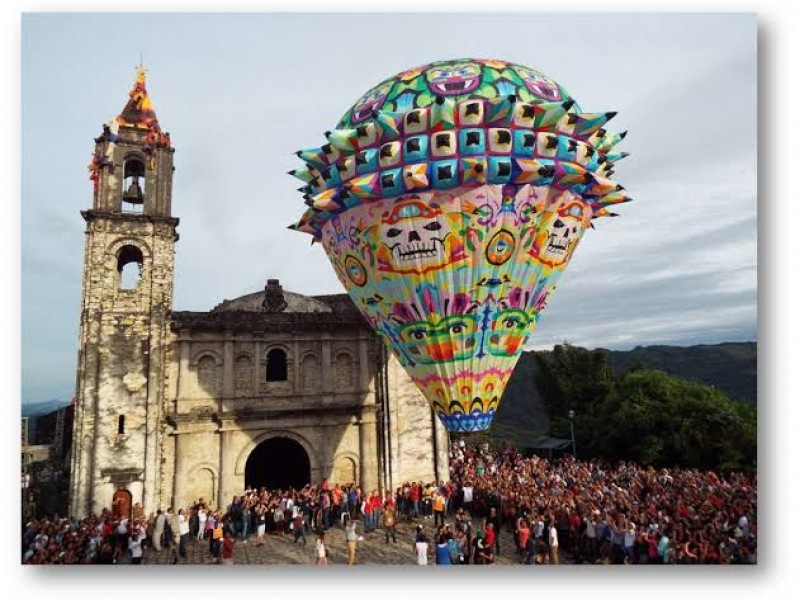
column 329, row 412
column 116, row 439
column 412, row 428
column 211, row 459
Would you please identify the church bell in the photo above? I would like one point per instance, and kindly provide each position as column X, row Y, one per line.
column 134, row 193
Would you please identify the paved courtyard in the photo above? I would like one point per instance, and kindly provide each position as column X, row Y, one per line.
column 282, row 549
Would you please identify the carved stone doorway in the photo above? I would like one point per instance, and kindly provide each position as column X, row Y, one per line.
column 278, row 463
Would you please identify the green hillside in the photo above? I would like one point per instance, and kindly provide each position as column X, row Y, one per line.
column 731, row 367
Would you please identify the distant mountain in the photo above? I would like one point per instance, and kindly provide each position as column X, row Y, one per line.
column 731, row 367
column 42, row 408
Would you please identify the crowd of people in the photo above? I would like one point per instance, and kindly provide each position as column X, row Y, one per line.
column 596, row 512
column 561, row 510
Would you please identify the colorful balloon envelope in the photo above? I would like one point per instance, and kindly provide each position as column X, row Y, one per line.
column 449, row 200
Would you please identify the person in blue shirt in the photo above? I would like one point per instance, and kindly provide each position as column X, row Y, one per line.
column 442, row 551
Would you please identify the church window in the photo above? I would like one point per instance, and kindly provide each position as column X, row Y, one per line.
column 129, row 266
column 121, row 425
column 276, row 365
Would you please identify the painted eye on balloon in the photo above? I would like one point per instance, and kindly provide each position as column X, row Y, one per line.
column 559, row 223
column 433, row 226
column 393, row 232
column 500, row 247
column 510, row 323
column 418, row 334
column 355, row 271
column 458, row 328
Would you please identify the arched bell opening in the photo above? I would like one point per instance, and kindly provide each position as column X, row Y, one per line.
column 133, row 185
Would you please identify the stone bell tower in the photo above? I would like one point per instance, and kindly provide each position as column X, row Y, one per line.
column 125, row 307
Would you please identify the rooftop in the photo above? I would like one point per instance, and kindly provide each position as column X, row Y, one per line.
column 274, row 309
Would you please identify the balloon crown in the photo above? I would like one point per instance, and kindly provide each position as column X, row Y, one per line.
column 460, row 123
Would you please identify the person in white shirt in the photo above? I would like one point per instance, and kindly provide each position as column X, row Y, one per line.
column 322, row 551
column 553, row 538
column 467, row 490
column 183, row 533
column 158, row 530
column 202, row 515
column 277, row 519
column 351, row 537
column 135, row 547
column 630, row 539
column 743, row 524
column 421, row 549
column 591, row 537
column 538, row 530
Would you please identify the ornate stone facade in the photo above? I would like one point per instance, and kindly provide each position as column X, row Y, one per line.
column 171, row 405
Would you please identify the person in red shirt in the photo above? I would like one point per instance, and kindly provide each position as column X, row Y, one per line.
column 489, row 538
column 108, row 527
column 336, row 497
column 377, row 504
column 575, row 532
column 523, row 535
column 227, row 549
column 372, row 508
column 416, row 494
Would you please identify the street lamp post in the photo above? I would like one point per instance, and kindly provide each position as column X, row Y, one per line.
column 571, row 415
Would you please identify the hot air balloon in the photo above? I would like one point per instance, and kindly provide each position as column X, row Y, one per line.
column 449, row 199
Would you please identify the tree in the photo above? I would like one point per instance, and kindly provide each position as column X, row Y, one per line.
column 660, row 420
column 644, row 415
column 573, row 378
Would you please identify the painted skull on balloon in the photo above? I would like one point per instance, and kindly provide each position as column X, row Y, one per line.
column 559, row 230
column 453, row 78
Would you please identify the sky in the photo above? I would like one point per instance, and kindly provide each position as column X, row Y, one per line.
column 240, row 94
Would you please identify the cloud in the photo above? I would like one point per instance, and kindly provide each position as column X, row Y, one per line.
column 678, row 265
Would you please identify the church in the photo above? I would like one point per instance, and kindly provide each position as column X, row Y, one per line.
column 270, row 389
